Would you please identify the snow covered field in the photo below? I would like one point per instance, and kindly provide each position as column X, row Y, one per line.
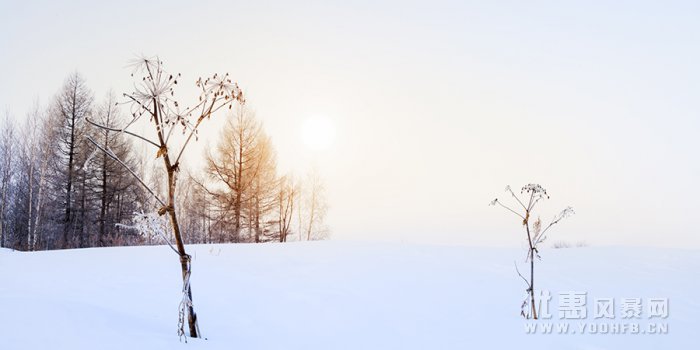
column 331, row 295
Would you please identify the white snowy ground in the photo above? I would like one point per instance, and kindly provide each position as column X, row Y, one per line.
column 330, row 295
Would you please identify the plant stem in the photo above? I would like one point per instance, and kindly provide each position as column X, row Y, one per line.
column 532, row 266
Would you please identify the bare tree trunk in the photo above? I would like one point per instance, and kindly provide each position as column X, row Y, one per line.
column 300, row 221
column 7, row 140
column 2, row 215
column 280, row 204
column 3, row 206
column 208, row 221
column 69, row 185
column 103, row 197
column 256, row 217
column 237, row 205
column 83, row 216
column 31, row 199
column 40, row 197
column 312, row 214
column 286, row 199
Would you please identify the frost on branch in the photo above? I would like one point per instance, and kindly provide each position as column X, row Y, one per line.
column 568, row 211
column 539, row 234
column 153, row 227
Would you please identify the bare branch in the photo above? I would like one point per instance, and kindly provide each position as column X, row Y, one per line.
column 568, row 211
column 521, row 275
column 121, row 130
column 148, row 224
column 194, row 130
column 496, row 201
column 508, row 189
column 144, row 107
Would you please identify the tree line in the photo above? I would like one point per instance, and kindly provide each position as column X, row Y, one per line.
column 58, row 190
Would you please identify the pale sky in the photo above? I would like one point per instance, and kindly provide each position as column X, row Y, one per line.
column 437, row 106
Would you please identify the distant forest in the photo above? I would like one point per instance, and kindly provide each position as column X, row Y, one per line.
column 60, row 189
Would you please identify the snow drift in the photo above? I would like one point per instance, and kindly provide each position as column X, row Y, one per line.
column 329, row 295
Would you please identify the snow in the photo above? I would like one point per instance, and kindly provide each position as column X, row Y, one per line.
column 329, row 295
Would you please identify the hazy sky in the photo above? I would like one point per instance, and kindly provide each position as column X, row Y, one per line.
column 437, row 105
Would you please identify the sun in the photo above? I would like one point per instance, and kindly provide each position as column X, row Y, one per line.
column 317, row 133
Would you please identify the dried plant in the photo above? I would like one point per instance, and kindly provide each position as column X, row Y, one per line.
column 154, row 98
column 532, row 194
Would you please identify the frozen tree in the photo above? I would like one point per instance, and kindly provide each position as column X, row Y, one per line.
column 287, row 192
column 7, row 173
column 30, row 155
column 313, row 207
column 532, row 195
column 73, row 104
column 234, row 168
column 262, row 191
column 154, row 100
column 50, row 127
column 194, row 207
column 116, row 193
column 37, row 150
